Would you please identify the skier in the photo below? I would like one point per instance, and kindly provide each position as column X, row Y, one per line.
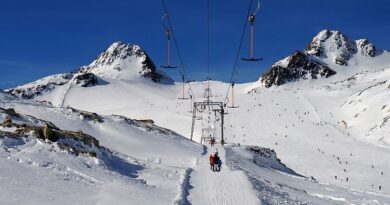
column 212, row 160
column 218, row 162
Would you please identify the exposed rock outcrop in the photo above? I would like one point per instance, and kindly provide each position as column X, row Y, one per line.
column 38, row 87
column 366, row 48
column 74, row 142
column 297, row 66
column 86, row 79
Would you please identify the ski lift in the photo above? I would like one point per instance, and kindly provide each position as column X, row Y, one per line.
column 168, row 33
column 252, row 19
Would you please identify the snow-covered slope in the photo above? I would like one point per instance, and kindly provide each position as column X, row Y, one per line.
column 294, row 121
column 365, row 112
column 6, row 96
column 126, row 162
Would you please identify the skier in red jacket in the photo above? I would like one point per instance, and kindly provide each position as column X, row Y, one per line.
column 212, row 160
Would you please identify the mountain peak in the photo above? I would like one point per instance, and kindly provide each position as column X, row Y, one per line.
column 119, row 50
column 366, row 48
column 116, row 45
column 116, row 51
column 127, row 62
column 333, row 45
column 338, row 47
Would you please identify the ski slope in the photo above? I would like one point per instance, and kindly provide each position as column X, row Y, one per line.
column 219, row 187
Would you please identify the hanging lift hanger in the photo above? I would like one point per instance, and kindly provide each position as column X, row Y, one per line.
column 232, row 84
column 233, row 105
column 168, row 33
column 251, row 20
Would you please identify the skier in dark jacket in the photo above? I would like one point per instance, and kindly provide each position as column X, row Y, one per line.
column 218, row 163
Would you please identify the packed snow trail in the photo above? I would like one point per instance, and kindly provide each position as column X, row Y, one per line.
column 225, row 187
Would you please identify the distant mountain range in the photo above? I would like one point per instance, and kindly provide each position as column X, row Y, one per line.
column 330, row 53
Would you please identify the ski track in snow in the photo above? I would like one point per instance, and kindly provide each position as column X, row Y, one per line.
column 220, row 187
column 66, row 91
column 184, row 187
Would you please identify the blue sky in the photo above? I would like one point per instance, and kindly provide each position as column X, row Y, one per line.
column 41, row 37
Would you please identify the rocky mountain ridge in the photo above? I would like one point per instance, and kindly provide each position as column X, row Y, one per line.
column 328, row 49
column 125, row 61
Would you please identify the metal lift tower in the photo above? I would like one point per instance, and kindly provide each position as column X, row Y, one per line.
column 217, row 107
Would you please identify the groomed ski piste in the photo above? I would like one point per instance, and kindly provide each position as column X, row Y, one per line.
column 314, row 141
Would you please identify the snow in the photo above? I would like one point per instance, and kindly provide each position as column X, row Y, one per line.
column 283, row 62
column 147, row 163
column 185, row 177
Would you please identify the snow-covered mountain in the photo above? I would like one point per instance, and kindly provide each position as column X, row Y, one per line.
column 338, row 47
column 120, row 61
column 329, row 53
column 125, row 62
